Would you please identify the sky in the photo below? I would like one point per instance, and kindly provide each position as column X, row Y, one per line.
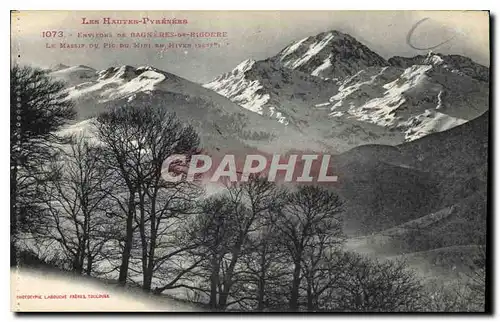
column 250, row 34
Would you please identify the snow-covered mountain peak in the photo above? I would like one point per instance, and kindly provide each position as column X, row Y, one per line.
column 73, row 75
column 315, row 43
column 119, row 82
column 58, row 67
column 125, row 72
column 456, row 64
column 329, row 88
column 314, row 48
column 330, row 54
column 268, row 88
column 237, row 72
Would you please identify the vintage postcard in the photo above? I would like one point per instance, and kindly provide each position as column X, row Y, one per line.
column 250, row 161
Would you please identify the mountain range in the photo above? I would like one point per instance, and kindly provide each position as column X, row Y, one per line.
column 333, row 82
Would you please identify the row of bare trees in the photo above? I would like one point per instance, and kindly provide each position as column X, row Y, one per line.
column 253, row 246
column 104, row 209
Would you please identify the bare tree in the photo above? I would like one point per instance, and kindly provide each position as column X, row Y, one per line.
column 266, row 268
column 75, row 202
column 215, row 231
column 310, row 216
column 317, row 265
column 138, row 139
column 38, row 108
column 163, row 231
column 122, row 154
column 228, row 229
column 374, row 286
column 252, row 200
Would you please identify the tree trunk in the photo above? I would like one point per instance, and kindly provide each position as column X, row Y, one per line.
column 294, row 296
column 146, row 275
column 214, row 283
column 146, row 284
column 78, row 264
column 228, row 278
column 223, row 298
column 90, row 258
column 122, row 279
column 89, row 264
column 260, row 295
column 148, row 278
column 262, row 280
column 81, row 259
column 152, row 244
column 228, row 282
column 310, row 302
column 148, row 254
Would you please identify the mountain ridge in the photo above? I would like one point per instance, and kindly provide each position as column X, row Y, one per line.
column 411, row 97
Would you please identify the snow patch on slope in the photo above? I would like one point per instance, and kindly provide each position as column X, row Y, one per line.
column 314, row 49
column 434, row 59
column 290, row 49
column 380, row 110
column 278, row 115
column 326, row 64
column 429, row 122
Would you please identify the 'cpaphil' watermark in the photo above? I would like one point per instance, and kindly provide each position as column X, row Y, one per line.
column 286, row 168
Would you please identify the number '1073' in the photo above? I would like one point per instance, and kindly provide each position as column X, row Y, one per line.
column 52, row 34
